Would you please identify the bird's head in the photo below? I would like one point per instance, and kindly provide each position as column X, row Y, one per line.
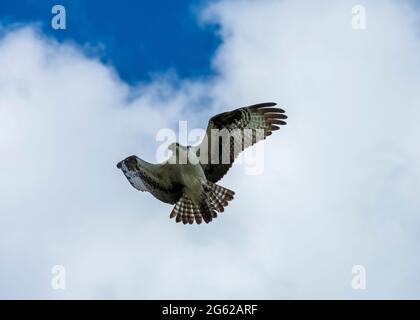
column 130, row 163
column 179, row 152
column 174, row 146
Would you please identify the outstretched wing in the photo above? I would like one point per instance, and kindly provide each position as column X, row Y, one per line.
column 153, row 178
column 238, row 129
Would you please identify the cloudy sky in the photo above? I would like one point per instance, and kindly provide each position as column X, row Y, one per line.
column 340, row 184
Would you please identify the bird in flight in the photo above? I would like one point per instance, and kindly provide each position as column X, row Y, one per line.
column 188, row 178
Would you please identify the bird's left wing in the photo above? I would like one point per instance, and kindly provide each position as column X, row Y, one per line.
column 243, row 127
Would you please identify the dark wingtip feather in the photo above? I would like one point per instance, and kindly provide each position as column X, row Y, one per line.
column 279, row 122
column 269, row 104
column 262, row 105
column 272, row 110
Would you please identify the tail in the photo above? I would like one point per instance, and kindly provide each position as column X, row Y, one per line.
column 215, row 199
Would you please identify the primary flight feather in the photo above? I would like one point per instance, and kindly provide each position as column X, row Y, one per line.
column 188, row 179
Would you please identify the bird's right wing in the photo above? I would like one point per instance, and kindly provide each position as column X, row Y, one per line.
column 153, row 178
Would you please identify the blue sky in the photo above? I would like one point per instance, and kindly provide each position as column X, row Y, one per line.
column 139, row 37
column 339, row 184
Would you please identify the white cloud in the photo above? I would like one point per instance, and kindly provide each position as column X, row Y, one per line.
column 340, row 185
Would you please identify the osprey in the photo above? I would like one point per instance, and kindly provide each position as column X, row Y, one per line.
column 188, row 179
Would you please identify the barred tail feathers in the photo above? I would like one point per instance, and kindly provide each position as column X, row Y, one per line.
column 215, row 199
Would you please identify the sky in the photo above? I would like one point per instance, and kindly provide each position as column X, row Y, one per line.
column 340, row 183
column 138, row 38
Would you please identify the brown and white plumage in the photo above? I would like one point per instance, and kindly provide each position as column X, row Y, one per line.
column 154, row 178
column 243, row 123
column 191, row 185
column 186, row 211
